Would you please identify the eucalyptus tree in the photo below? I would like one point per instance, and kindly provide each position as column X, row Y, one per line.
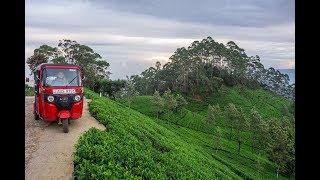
column 129, row 91
column 238, row 122
column 214, row 113
column 259, row 130
column 181, row 58
column 278, row 145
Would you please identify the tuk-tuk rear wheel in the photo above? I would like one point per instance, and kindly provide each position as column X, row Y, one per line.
column 65, row 125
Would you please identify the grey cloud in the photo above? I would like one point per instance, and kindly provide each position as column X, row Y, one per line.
column 233, row 12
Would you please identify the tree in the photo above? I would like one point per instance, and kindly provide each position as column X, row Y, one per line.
column 181, row 101
column 211, row 116
column 241, row 126
column 71, row 52
column 129, row 92
column 35, row 60
column 277, row 145
column 238, row 122
column 216, row 84
column 237, row 59
column 158, row 102
column 110, row 88
column 288, row 126
column 259, row 130
column 115, row 88
column 229, row 119
column 255, row 68
column 214, row 113
column 217, row 137
column 148, row 77
column 201, row 69
column 140, row 84
column 170, row 101
column 43, row 54
column 291, row 160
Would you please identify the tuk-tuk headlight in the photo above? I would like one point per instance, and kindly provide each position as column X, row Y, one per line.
column 77, row 97
column 50, row 98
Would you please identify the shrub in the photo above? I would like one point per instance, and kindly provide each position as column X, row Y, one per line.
column 29, row 91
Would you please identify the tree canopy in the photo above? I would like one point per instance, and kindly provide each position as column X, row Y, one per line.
column 202, row 67
column 71, row 52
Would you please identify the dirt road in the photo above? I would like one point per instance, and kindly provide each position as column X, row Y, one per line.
column 48, row 151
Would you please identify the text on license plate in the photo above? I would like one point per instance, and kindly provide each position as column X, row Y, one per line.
column 64, row 91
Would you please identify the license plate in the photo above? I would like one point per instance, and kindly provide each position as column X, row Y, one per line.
column 64, row 91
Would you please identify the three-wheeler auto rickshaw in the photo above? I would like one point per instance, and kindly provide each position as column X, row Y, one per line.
column 58, row 93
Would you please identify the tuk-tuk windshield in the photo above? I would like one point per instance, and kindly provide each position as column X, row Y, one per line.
column 61, row 77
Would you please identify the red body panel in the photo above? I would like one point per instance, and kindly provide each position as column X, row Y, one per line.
column 64, row 114
column 49, row 112
column 76, row 110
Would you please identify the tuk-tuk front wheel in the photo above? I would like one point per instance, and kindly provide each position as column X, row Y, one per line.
column 35, row 115
column 65, row 125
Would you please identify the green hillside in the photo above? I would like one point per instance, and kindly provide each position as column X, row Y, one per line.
column 267, row 103
column 138, row 146
column 193, row 116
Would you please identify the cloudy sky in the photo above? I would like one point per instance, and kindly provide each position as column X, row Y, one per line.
column 133, row 34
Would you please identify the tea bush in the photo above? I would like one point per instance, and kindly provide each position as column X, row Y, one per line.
column 135, row 146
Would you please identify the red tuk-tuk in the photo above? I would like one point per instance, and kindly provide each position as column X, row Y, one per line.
column 58, row 93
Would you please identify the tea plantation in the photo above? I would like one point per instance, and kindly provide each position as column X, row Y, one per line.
column 178, row 145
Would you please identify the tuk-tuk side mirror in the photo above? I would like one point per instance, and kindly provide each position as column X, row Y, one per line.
column 36, row 76
column 36, row 90
column 36, row 82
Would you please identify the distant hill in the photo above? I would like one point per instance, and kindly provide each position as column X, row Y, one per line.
column 290, row 72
